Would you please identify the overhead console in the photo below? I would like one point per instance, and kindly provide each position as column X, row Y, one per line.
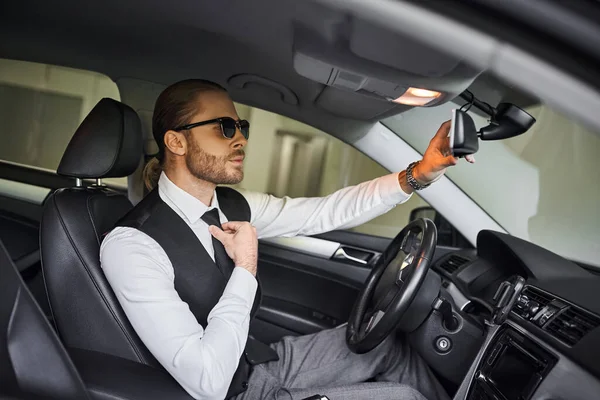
column 355, row 58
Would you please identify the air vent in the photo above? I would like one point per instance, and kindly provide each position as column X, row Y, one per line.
column 453, row 263
column 531, row 301
column 572, row 324
column 535, row 294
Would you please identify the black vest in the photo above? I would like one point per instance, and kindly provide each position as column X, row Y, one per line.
column 198, row 280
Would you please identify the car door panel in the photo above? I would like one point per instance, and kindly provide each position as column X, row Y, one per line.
column 375, row 243
column 306, row 288
column 22, row 195
column 20, row 237
column 303, row 293
column 356, row 239
column 278, row 318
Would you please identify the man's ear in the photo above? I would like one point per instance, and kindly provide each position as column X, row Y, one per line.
column 176, row 142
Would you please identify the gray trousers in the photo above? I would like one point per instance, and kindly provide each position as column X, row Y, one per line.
column 322, row 363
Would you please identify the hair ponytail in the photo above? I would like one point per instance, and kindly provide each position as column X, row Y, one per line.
column 152, row 172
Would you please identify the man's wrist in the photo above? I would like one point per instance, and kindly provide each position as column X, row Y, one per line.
column 415, row 178
column 416, row 173
column 248, row 265
column 404, row 185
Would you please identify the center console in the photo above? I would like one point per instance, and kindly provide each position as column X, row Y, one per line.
column 512, row 368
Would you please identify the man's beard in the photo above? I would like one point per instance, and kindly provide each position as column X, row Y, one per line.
column 211, row 168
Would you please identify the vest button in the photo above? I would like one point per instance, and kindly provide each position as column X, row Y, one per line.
column 245, row 385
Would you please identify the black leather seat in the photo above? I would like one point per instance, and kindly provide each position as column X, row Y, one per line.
column 113, row 361
column 108, row 143
column 33, row 363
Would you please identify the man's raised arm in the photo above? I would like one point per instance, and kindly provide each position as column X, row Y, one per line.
column 350, row 206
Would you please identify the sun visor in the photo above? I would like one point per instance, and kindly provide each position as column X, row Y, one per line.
column 376, row 44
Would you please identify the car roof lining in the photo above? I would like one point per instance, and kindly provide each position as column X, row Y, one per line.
column 216, row 41
column 539, row 77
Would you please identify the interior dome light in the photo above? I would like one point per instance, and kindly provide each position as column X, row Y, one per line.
column 417, row 97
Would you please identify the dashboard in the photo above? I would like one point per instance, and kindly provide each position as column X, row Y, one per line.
column 548, row 344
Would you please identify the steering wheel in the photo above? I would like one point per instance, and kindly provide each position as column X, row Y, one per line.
column 392, row 286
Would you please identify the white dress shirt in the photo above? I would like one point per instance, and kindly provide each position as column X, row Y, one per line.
column 204, row 359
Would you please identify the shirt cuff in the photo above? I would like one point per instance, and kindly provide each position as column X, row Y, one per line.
column 390, row 190
column 243, row 284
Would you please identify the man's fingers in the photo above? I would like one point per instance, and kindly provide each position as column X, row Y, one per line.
column 470, row 158
column 443, row 131
column 450, row 161
column 444, row 146
column 233, row 225
column 217, row 233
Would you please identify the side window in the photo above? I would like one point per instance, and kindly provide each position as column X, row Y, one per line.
column 41, row 106
column 302, row 161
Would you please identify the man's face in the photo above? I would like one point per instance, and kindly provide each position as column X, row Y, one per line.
column 210, row 156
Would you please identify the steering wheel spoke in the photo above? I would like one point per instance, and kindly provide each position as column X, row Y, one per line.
column 374, row 320
column 405, row 269
column 391, row 286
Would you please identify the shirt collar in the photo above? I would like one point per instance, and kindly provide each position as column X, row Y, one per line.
column 187, row 205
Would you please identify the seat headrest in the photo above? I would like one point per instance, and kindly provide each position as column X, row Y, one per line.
column 107, row 144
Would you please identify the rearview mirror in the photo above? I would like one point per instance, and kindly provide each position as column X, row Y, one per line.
column 463, row 134
column 509, row 121
column 506, row 121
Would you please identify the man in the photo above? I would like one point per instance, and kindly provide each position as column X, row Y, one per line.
column 189, row 286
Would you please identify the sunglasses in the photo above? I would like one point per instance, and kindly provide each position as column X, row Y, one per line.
column 228, row 126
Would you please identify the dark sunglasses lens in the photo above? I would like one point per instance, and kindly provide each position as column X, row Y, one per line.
column 228, row 126
column 245, row 128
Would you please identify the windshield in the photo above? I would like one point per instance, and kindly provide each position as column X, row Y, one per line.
column 542, row 186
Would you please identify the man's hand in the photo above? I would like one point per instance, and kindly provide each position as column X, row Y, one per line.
column 240, row 242
column 437, row 157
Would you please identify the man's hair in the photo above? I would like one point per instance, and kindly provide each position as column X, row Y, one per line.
column 174, row 107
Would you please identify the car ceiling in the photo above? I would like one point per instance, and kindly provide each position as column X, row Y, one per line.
column 162, row 42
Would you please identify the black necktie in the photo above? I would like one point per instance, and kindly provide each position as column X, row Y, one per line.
column 222, row 260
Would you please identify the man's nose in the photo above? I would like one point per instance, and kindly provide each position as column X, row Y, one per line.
column 239, row 141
